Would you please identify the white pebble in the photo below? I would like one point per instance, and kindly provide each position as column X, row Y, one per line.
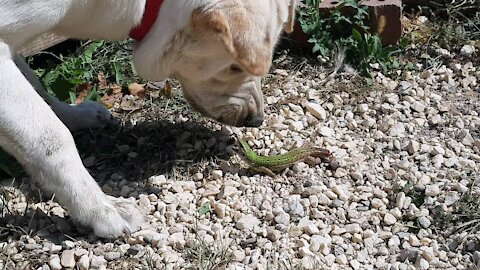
column 389, row 219
column 247, row 222
column 54, row 262
column 316, row 110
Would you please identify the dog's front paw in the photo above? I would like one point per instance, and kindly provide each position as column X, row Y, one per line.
column 86, row 115
column 117, row 217
column 92, row 115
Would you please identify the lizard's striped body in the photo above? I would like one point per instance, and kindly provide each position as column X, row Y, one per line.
column 268, row 164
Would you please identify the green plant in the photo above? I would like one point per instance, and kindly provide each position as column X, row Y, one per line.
column 203, row 255
column 288, row 263
column 324, row 31
column 464, row 216
column 345, row 27
column 367, row 49
column 208, row 256
column 206, row 208
column 84, row 66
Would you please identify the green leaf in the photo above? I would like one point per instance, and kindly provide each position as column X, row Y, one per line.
column 60, row 87
column 73, row 97
column 395, row 64
column 134, row 70
column 376, row 44
column 118, row 72
column 206, row 208
column 404, row 43
column 90, row 50
column 409, row 66
column 356, row 35
column 93, row 94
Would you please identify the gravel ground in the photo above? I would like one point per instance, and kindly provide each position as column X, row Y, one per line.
column 399, row 192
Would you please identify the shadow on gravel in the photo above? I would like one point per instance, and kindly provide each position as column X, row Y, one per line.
column 115, row 154
column 150, row 148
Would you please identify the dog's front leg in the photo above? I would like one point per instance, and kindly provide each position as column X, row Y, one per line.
column 31, row 132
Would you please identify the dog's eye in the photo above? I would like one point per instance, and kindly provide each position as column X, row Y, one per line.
column 235, row 69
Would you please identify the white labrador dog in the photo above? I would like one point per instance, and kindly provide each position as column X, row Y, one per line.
column 216, row 48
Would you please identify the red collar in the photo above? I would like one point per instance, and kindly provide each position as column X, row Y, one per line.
column 152, row 8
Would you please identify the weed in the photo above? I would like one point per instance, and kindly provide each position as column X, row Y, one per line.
column 325, row 30
column 416, row 193
column 84, row 66
column 148, row 263
column 206, row 208
column 4, row 195
column 451, row 25
column 208, row 256
column 367, row 49
column 286, row 263
column 204, row 255
column 464, row 216
column 348, row 32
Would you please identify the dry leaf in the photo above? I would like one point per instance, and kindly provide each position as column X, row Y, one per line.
column 82, row 91
column 166, row 90
column 136, row 89
column 131, row 104
column 113, row 95
column 164, row 87
column 116, row 89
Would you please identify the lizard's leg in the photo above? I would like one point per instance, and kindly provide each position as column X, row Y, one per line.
column 262, row 169
column 312, row 161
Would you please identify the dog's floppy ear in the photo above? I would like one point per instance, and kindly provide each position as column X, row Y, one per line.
column 239, row 37
column 289, row 25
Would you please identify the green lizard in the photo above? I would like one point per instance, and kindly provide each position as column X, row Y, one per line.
column 268, row 164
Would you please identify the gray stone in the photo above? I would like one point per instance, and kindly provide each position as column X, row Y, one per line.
column 389, row 219
column 323, row 199
column 283, row 218
column 451, row 197
column 418, row 106
column 238, row 255
column 33, row 246
column 424, row 222
column 321, row 244
column 110, row 256
column 397, row 130
column 476, row 257
column 353, row 228
column 432, row 190
column 135, row 249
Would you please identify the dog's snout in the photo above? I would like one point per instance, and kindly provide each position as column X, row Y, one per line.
column 254, row 121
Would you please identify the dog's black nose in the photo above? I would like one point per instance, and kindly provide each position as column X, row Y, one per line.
column 254, row 121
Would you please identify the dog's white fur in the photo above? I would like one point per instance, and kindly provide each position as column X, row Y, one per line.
column 216, row 48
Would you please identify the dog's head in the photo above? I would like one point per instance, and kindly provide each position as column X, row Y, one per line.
column 219, row 54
